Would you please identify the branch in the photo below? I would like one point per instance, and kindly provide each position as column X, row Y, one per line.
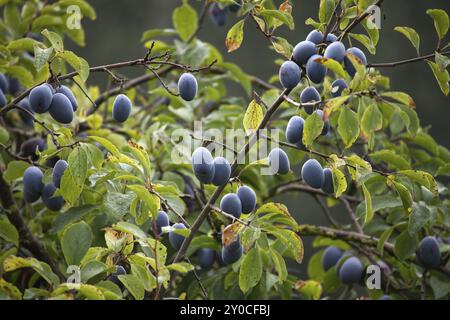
column 406, row 61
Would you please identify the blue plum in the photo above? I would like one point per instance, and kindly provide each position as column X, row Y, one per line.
column 351, row 271
column 335, row 51
column 330, row 257
column 121, row 108
column 32, row 184
column 359, row 55
column 337, row 87
column 4, row 84
column 61, row 109
column 175, row 239
column 428, row 253
column 203, row 165
column 222, row 171
column 13, row 85
column 294, row 129
column 162, row 220
column 231, row 253
column 30, row 146
column 312, row 173
column 303, row 51
column 316, row 72
column 26, row 117
column 290, row 74
column 218, row 15
column 279, row 161
column 331, row 38
column 58, row 171
column 231, row 204
column 51, row 202
column 40, row 98
column 309, row 95
column 2, row 99
column 248, row 198
column 328, row 186
column 206, row 257
column 385, row 297
column 315, row 36
column 187, row 86
column 69, row 94
column 234, row 7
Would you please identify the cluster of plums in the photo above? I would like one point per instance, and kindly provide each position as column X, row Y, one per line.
column 219, row 15
column 8, row 85
column 208, row 170
column 34, row 188
column 316, row 177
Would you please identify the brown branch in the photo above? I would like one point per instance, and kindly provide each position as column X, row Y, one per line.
column 406, row 61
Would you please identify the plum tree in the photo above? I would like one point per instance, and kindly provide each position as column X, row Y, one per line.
column 290, row 74
column 203, row 165
column 351, row 271
column 309, row 95
column 222, row 171
column 187, row 86
column 335, row 51
column 315, row 36
column 32, row 184
column 294, row 129
column 206, row 257
column 338, row 86
column 4, row 85
column 54, row 203
column 316, row 72
column 40, row 98
column 30, row 146
column 303, row 51
column 312, row 173
column 279, row 161
column 232, row 252
column 218, row 14
column 328, row 186
column 121, row 108
column 61, row 109
column 162, row 221
column 248, row 199
column 58, row 171
column 428, row 253
column 69, row 94
column 359, row 55
column 175, row 239
column 330, row 257
column 231, row 204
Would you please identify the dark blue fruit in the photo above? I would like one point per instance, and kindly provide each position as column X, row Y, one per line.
column 26, row 118
column 121, row 108
column 328, row 186
column 231, row 253
column 309, row 95
column 231, row 204
column 331, row 38
column 203, row 165
column 68, row 93
column 290, row 74
column 330, row 257
column 187, row 87
column 234, row 7
column 248, row 198
column 222, row 171
column 279, row 161
column 294, row 129
column 385, row 297
column 428, row 253
column 58, row 171
column 312, row 173
column 351, row 271
column 316, row 72
column 113, row 277
column 41, row 98
column 315, row 36
column 335, row 51
column 358, row 54
column 162, row 221
column 32, row 184
column 61, row 109
column 4, row 85
column 51, row 202
column 206, row 257
column 303, row 51
column 218, row 15
column 2, row 99
column 175, row 239
column 337, row 87
column 29, row 147
column 13, row 85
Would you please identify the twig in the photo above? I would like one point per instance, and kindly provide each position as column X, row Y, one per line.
column 352, row 216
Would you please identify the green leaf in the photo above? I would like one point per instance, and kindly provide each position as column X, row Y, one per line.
column 15, row 170
column 334, row 66
column 348, row 126
column 108, row 145
column 8, row 232
column 134, row 285
column 280, row 265
column 393, row 160
column 92, row 269
column 339, row 182
column 184, row 20
column 312, row 129
column 182, row 267
column 422, row 178
column 405, row 196
column 411, row 34
column 365, row 41
column 441, row 21
column 72, row 181
column 383, row 239
column 235, row 36
column 368, row 200
column 131, row 229
column 372, row 119
column 152, row 202
column 77, row 63
column 10, row 289
column 253, row 117
column 12, row 263
column 281, row 16
column 55, row 40
column 310, row 289
column 442, row 77
column 282, row 46
column 440, row 286
column 41, row 56
column 24, row 44
column 401, row 97
column 405, row 245
column 75, row 242
column 326, row 9
column 251, row 270
column 418, row 218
